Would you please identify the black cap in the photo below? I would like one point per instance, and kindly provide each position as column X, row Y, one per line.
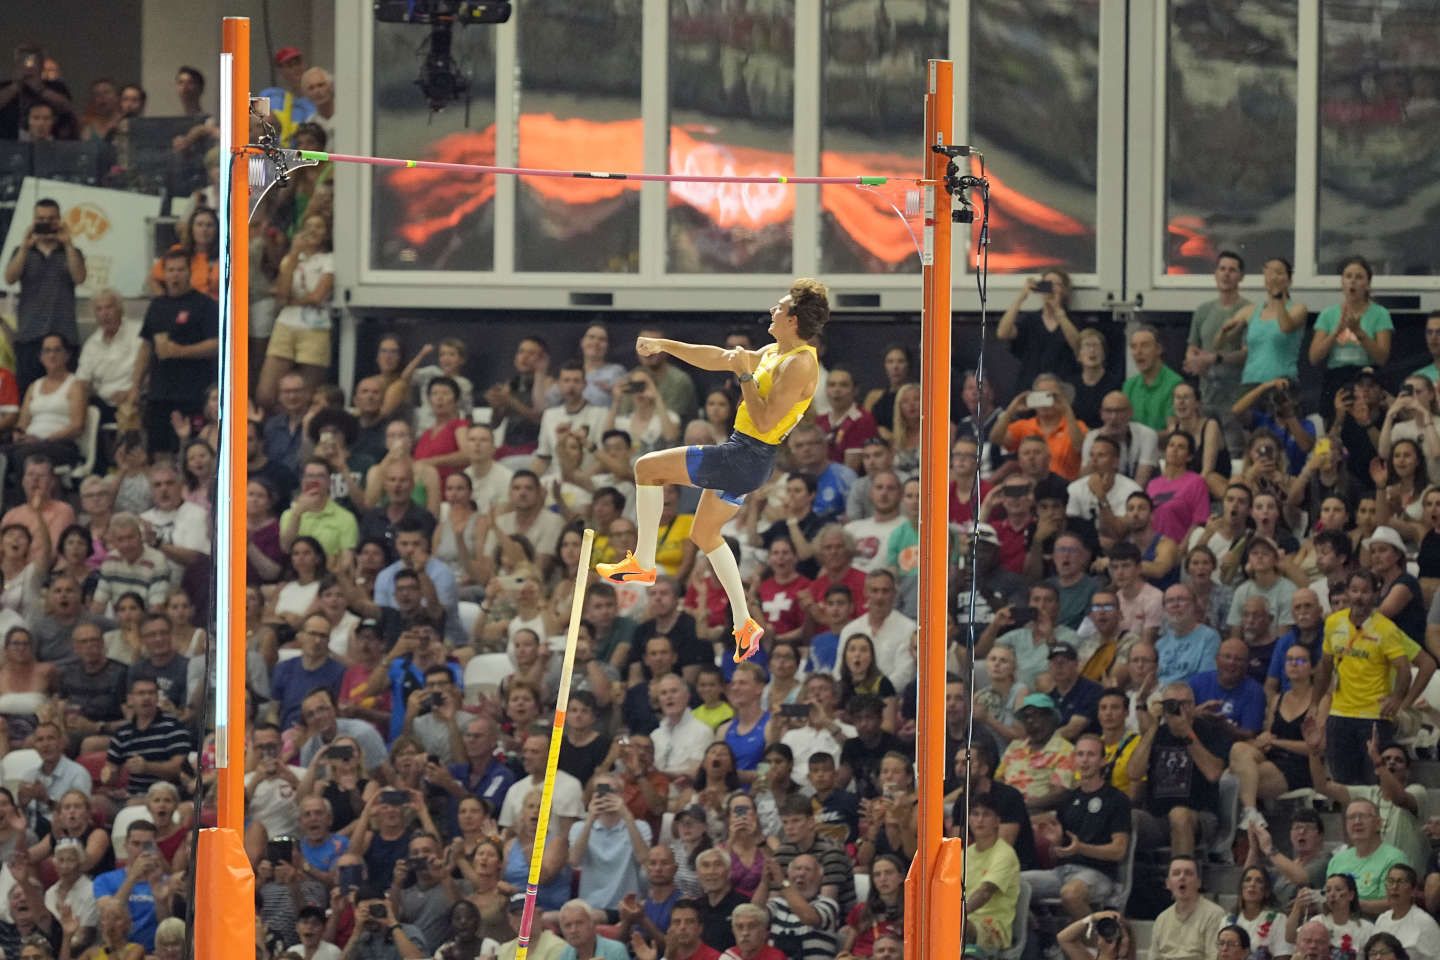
column 1052, row 488
column 1064, row 650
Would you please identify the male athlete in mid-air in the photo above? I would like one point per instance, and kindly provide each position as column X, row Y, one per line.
column 777, row 383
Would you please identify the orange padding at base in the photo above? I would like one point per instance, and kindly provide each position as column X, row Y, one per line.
column 224, row 898
column 946, row 936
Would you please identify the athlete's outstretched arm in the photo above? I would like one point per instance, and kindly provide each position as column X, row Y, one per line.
column 697, row 355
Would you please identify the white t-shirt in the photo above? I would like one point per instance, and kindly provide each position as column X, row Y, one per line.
column 1084, row 504
column 871, row 537
column 807, row 741
column 1417, row 931
column 1139, row 450
column 589, row 418
column 494, row 486
column 274, row 804
column 892, row 649
column 543, row 533
column 568, row 800
column 109, row 367
column 186, row 526
column 325, row 951
column 680, row 748
column 651, row 437
column 310, row 269
column 80, row 900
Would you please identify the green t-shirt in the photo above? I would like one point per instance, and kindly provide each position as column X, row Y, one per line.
column 1432, row 373
column 1369, row 872
column 1152, row 402
column 1347, row 351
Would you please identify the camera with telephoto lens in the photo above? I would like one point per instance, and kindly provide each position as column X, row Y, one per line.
column 1171, row 707
column 1107, row 929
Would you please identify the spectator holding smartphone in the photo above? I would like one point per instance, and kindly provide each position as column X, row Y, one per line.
column 608, row 847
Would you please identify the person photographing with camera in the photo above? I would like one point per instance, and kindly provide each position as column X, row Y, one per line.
column 1053, row 421
column 1103, row 935
column 380, row 936
column 1182, row 755
column 48, row 268
column 608, row 847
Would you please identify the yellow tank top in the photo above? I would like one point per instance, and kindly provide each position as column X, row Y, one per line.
column 764, row 379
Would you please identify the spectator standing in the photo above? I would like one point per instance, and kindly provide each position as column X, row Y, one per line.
column 151, row 746
column 1151, row 387
column 1363, row 651
column 1352, row 334
column 1217, row 360
column 131, row 887
column 1273, row 329
column 48, row 267
column 176, row 527
column 1033, row 337
column 26, row 86
column 181, row 339
column 889, row 630
column 608, row 847
column 296, row 678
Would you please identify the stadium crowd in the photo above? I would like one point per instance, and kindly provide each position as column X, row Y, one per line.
column 1202, row 619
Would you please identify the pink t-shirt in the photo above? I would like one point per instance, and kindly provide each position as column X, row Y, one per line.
column 1181, row 504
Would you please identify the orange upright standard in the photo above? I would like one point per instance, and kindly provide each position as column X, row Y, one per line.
column 225, row 885
column 934, row 930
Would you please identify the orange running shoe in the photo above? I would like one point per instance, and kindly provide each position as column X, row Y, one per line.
column 626, row 571
column 747, row 639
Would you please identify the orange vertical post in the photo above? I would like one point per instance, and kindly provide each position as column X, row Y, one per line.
column 225, row 886
column 926, row 928
column 236, row 43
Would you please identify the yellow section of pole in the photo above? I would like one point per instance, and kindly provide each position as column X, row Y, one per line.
column 557, row 733
column 235, row 41
column 935, row 339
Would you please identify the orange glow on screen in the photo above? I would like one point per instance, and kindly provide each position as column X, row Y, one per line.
column 432, row 202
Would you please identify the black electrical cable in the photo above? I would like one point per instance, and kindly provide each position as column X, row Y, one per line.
column 982, row 287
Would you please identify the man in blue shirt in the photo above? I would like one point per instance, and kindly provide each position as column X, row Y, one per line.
column 1229, row 693
column 1186, row 646
column 484, row 774
column 810, row 454
column 419, row 649
column 296, row 678
column 437, row 581
column 130, row 884
column 608, row 847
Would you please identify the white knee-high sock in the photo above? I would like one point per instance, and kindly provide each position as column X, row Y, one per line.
column 649, row 502
column 727, row 571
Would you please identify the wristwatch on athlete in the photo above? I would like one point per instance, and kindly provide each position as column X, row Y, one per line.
column 746, row 377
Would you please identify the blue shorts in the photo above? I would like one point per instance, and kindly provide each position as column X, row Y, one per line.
column 733, row 468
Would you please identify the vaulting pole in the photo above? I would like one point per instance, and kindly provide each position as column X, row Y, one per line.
column 225, row 901
column 933, row 931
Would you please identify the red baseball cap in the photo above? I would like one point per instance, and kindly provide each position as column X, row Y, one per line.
column 285, row 54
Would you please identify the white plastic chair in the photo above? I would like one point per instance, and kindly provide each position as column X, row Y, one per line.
column 88, row 442
column 15, row 765
column 123, row 819
column 484, row 673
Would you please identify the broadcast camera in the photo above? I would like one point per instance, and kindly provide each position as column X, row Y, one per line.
column 441, row 80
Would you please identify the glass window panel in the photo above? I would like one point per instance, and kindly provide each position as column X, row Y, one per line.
column 1379, row 126
column 428, row 219
column 1230, row 133
column 873, row 114
column 1034, row 100
column 732, row 66
column 579, row 107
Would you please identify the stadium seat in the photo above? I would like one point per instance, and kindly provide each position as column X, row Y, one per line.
column 123, row 819
column 15, row 765
column 484, row 672
column 88, row 444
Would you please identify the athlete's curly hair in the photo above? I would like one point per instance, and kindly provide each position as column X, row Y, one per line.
column 809, row 305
